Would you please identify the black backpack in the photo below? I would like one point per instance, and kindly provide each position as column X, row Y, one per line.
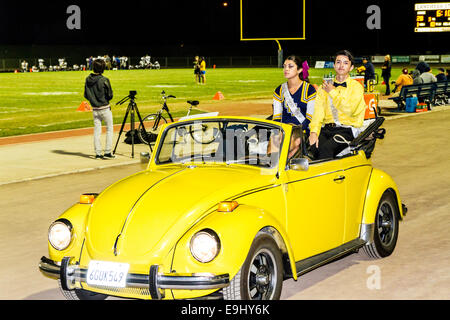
column 128, row 137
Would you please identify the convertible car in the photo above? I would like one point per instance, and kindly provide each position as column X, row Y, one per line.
column 222, row 211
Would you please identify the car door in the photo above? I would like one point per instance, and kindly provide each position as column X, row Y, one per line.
column 357, row 172
column 315, row 202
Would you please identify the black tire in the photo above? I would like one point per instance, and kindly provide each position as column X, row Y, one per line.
column 152, row 131
column 386, row 228
column 203, row 138
column 261, row 275
column 79, row 294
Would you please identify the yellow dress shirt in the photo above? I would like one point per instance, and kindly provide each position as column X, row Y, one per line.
column 348, row 101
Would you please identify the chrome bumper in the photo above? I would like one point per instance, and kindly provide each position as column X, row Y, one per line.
column 154, row 281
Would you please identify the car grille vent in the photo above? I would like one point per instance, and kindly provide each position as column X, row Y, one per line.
column 142, row 293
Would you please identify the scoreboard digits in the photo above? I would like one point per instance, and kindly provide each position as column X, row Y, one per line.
column 432, row 17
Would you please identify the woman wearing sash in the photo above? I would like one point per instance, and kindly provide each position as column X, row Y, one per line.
column 293, row 101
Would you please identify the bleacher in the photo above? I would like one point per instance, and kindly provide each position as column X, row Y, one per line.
column 435, row 93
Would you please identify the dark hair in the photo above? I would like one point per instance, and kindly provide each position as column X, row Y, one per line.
column 346, row 53
column 297, row 132
column 99, row 66
column 405, row 70
column 299, row 64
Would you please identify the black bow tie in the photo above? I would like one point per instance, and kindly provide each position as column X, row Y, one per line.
column 344, row 84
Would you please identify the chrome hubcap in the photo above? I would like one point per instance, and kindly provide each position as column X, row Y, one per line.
column 262, row 276
column 386, row 223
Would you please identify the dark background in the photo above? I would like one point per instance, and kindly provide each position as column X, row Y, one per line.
column 206, row 27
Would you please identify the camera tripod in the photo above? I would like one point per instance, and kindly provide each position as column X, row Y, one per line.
column 132, row 108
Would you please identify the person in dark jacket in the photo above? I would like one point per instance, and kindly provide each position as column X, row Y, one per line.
column 369, row 72
column 98, row 91
column 386, row 73
column 441, row 75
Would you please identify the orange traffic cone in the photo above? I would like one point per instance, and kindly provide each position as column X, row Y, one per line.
column 218, row 96
column 84, row 106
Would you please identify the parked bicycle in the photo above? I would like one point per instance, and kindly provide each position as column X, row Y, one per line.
column 158, row 118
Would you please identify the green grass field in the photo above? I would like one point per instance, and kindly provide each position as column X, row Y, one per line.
column 42, row 102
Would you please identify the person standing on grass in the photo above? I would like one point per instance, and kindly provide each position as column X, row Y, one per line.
column 98, row 91
column 197, row 75
column 203, row 70
column 386, row 73
column 293, row 100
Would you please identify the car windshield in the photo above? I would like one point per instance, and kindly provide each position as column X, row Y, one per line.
column 221, row 141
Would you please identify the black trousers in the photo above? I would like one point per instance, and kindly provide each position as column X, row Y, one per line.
column 328, row 147
column 386, row 81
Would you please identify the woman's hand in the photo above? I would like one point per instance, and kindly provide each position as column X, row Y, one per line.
column 313, row 139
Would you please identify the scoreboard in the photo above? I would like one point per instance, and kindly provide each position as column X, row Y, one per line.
column 432, row 17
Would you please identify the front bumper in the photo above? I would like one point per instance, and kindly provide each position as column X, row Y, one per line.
column 154, row 281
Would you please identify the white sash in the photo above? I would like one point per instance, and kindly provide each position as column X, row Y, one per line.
column 291, row 104
column 334, row 112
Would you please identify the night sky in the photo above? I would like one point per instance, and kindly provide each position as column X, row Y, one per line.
column 186, row 27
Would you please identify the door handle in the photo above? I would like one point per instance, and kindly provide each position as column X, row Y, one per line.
column 339, row 179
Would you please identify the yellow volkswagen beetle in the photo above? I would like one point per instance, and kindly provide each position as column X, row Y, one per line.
column 223, row 210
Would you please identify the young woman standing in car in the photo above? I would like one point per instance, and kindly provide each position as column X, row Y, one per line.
column 293, row 100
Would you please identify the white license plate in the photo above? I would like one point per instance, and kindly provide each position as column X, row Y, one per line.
column 109, row 274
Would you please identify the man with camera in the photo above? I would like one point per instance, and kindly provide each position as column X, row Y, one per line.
column 98, row 91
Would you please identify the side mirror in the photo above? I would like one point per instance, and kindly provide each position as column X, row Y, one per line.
column 299, row 164
column 145, row 157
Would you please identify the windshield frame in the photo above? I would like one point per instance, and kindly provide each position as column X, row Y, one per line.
column 224, row 120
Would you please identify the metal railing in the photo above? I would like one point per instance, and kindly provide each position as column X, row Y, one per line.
column 12, row 64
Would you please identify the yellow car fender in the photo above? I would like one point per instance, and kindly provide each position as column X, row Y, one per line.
column 379, row 182
column 236, row 231
column 77, row 217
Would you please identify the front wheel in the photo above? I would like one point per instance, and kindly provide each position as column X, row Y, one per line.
column 386, row 228
column 261, row 275
column 151, row 128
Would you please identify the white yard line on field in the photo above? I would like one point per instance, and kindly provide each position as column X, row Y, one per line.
column 54, row 93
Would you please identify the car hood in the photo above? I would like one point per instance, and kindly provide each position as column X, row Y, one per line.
column 148, row 212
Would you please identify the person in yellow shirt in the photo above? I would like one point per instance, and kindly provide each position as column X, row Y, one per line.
column 403, row 80
column 339, row 110
column 203, row 70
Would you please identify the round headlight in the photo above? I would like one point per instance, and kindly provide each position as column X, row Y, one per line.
column 60, row 234
column 205, row 245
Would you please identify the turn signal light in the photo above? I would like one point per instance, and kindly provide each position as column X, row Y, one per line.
column 88, row 198
column 227, row 206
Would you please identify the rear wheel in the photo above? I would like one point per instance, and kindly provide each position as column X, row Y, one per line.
column 152, row 128
column 261, row 275
column 386, row 228
column 79, row 294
